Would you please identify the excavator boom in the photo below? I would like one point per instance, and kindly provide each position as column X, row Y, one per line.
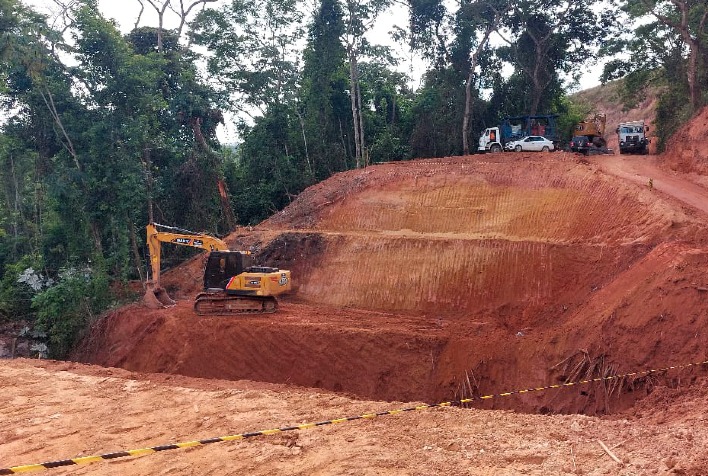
column 155, row 296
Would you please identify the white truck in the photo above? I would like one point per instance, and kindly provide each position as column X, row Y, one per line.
column 632, row 137
column 495, row 139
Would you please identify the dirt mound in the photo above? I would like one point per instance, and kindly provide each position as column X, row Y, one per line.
column 439, row 278
column 687, row 150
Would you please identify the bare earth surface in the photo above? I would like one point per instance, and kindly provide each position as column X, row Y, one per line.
column 52, row 410
column 425, row 281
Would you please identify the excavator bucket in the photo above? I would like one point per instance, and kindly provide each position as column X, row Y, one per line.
column 156, row 298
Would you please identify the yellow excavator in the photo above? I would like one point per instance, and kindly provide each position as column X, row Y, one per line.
column 232, row 285
column 589, row 136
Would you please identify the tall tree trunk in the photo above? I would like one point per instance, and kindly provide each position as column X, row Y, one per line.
column 538, row 87
column 362, row 136
column 96, row 234
column 692, row 73
column 536, row 94
column 39, row 173
column 16, row 206
column 692, row 41
column 468, row 111
column 147, row 165
column 67, row 143
column 137, row 261
column 353, row 87
column 160, row 9
column 345, row 149
column 304, row 139
column 468, row 86
column 229, row 214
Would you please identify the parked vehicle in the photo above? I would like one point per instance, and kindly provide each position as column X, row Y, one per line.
column 531, row 143
column 632, row 137
column 589, row 135
column 580, row 144
column 495, row 139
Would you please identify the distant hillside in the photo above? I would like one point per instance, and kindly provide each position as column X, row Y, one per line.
column 686, row 151
column 605, row 99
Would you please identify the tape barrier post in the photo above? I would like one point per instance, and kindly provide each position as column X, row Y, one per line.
column 366, row 416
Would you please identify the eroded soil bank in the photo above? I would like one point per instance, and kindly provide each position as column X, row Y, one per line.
column 440, row 279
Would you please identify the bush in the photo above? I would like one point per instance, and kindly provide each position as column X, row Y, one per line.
column 388, row 147
column 672, row 111
column 68, row 307
column 18, row 285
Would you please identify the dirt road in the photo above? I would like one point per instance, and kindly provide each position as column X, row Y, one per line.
column 641, row 169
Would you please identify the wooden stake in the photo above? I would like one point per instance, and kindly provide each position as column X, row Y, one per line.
column 607, row 450
column 572, row 456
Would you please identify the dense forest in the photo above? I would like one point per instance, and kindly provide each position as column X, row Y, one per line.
column 103, row 131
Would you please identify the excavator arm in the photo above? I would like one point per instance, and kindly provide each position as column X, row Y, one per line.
column 156, row 296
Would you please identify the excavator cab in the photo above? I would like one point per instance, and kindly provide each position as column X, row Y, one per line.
column 221, row 266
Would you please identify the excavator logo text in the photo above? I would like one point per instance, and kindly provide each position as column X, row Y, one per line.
column 190, row 242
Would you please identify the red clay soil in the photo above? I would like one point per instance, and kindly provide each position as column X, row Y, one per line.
column 686, row 150
column 429, row 279
column 55, row 410
column 421, row 281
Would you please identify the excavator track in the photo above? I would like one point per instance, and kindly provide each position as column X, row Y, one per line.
column 208, row 304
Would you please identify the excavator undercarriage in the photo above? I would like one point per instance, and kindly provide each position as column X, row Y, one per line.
column 220, row 304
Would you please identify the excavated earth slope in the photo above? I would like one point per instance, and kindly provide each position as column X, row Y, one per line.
column 439, row 279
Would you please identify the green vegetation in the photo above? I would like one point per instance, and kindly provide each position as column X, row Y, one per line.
column 107, row 131
column 665, row 51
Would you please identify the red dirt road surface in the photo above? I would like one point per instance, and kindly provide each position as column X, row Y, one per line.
column 425, row 281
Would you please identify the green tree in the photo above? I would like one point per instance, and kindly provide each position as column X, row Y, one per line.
column 438, row 109
column 389, row 118
column 65, row 309
column 687, row 19
column 551, row 37
column 92, row 146
column 476, row 21
column 253, row 46
column 359, row 17
column 428, row 21
column 324, row 112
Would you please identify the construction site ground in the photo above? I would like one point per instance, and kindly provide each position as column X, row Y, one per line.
column 425, row 281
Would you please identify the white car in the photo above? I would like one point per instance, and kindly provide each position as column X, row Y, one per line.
column 530, row 143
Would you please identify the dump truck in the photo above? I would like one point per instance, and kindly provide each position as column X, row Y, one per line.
column 632, row 137
column 494, row 139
